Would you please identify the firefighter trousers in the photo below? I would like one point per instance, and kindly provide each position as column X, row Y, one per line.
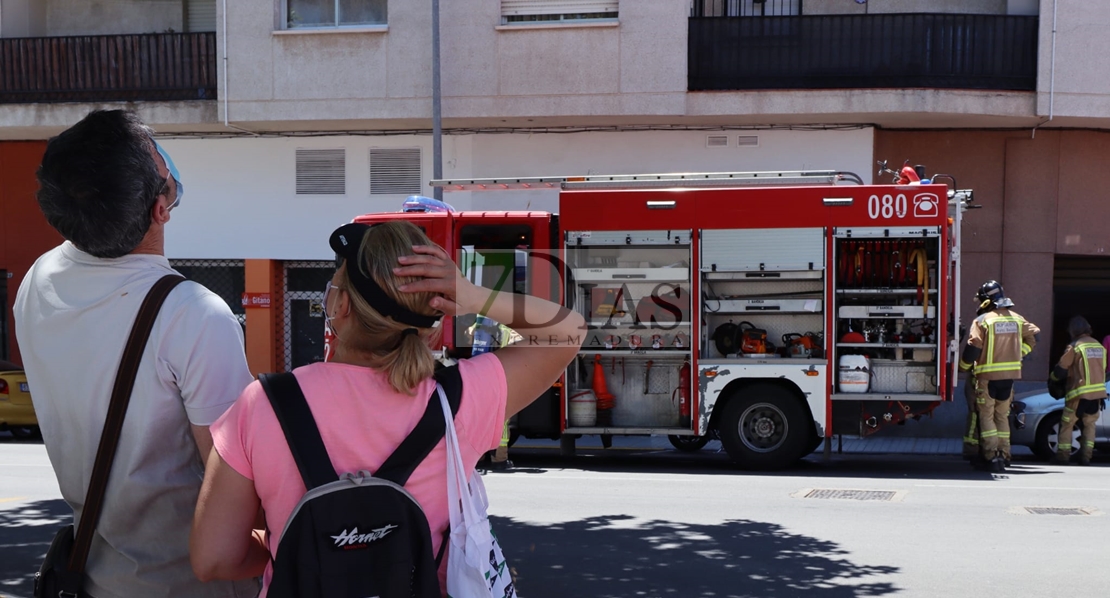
column 502, row 453
column 971, row 427
column 1068, row 420
column 994, row 422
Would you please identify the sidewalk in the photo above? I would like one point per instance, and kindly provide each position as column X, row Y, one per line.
column 850, row 445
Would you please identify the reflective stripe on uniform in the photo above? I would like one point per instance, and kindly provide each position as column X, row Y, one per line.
column 1081, row 351
column 1089, row 443
column 1004, row 366
column 990, row 433
column 988, row 364
column 964, row 366
column 1063, row 447
column 1025, row 349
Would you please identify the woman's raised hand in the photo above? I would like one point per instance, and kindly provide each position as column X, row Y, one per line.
column 439, row 275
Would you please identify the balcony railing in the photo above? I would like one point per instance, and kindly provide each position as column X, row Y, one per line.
column 141, row 67
column 946, row 51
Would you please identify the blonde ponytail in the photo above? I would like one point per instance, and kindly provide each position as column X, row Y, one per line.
column 404, row 357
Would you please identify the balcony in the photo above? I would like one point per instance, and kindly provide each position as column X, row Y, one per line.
column 141, row 67
column 942, row 51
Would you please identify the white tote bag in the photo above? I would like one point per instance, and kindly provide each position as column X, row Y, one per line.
column 476, row 567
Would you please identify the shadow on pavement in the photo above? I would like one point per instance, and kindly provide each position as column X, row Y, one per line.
column 876, row 466
column 25, row 533
column 617, row 556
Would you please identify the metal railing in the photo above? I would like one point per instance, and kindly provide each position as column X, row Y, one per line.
column 946, row 51
column 138, row 67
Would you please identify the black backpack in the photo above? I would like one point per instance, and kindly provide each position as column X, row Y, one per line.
column 359, row 536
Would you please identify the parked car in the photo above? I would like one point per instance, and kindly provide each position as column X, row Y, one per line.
column 1042, row 426
column 17, row 414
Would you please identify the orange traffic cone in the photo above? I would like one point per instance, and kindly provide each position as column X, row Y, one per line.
column 601, row 391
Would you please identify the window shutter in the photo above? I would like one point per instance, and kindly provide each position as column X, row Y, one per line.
column 716, row 141
column 747, row 141
column 321, row 171
column 395, row 171
column 556, row 7
column 200, row 15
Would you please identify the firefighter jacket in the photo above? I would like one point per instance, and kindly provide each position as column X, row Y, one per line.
column 998, row 341
column 1085, row 361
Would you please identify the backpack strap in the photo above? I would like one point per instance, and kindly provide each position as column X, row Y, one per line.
column 300, row 429
column 428, row 431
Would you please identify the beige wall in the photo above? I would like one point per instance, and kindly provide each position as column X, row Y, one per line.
column 636, row 67
column 1039, row 199
column 100, row 17
column 1077, row 82
column 22, row 18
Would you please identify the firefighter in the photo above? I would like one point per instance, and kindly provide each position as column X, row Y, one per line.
column 1083, row 368
column 971, row 428
column 1000, row 339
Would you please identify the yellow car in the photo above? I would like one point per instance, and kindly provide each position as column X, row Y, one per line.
column 17, row 414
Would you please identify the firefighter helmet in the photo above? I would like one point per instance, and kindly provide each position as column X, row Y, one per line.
column 992, row 291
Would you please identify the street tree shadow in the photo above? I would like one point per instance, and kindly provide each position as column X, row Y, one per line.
column 620, row 556
column 25, row 533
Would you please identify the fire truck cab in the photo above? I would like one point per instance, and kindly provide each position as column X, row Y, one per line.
column 769, row 310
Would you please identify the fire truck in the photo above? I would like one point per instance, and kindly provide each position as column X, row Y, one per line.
column 770, row 310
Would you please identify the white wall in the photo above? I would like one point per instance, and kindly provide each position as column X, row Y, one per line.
column 241, row 201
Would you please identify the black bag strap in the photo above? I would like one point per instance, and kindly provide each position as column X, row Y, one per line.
column 307, row 447
column 428, row 431
column 301, row 433
column 113, row 422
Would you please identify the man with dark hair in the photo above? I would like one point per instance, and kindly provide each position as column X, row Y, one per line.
column 109, row 189
column 1082, row 368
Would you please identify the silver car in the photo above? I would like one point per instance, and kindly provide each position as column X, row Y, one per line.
column 1042, row 426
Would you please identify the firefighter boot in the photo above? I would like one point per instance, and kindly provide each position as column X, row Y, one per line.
column 998, row 465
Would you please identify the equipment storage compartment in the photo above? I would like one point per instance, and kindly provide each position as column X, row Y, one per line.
column 634, row 289
column 891, row 376
column 763, row 304
column 885, row 307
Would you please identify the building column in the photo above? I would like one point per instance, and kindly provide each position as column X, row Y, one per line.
column 262, row 293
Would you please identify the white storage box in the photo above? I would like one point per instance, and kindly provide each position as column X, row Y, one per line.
column 888, row 375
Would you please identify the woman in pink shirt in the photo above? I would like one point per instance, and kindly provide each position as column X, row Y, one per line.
column 373, row 391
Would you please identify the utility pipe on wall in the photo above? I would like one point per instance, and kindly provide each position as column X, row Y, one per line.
column 437, row 107
column 1052, row 66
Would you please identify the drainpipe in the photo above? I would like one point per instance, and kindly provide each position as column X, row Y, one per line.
column 437, row 105
column 1052, row 65
column 1051, row 74
column 225, row 94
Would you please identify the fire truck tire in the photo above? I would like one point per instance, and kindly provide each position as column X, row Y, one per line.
column 814, row 442
column 689, row 444
column 765, row 427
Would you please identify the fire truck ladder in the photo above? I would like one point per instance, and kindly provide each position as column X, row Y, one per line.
column 635, row 181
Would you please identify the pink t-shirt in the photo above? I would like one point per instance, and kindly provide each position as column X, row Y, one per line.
column 362, row 421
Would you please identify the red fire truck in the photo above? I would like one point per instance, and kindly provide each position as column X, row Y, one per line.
column 769, row 310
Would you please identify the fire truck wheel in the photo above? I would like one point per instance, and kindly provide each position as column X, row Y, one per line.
column 765, row 427
column 689, row 444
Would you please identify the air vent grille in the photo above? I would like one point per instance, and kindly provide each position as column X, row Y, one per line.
column 395, row 171
column 321, row 171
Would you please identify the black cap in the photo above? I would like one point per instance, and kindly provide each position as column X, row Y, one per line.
column 345, row 241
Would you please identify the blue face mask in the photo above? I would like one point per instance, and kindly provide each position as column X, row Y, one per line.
column 173, row 173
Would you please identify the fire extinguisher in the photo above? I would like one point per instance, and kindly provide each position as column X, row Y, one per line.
column 683, row 391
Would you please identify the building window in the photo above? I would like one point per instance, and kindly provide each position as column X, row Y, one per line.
column 745, row 8
column 307, row 14
column 555, row 11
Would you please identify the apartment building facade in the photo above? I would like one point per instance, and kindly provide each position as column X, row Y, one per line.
column 291, row 116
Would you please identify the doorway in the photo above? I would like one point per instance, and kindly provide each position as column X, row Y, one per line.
column 1080, row 287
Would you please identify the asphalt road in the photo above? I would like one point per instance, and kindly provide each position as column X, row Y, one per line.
column 660, row 523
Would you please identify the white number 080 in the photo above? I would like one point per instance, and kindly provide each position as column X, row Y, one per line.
column 887, row 206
